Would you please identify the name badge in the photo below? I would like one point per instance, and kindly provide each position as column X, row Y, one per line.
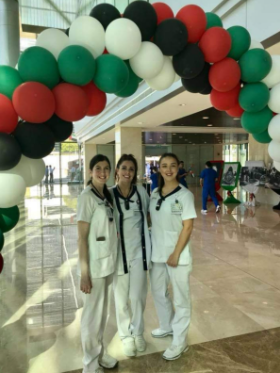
column 176, row 208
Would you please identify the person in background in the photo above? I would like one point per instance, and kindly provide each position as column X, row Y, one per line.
column 208, row 179
column 46, row 175
column 154, row 178
column 182, row 174
column 73, row 172
column 51, row 171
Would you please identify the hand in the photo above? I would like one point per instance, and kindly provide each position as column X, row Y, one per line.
column 173, row 260
column 86, row 284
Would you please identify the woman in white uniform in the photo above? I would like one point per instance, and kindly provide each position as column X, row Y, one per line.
column 97, row 263
column 134, row 255
column 172, row 212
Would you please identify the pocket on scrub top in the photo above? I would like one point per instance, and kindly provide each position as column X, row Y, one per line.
column 170, row 241
column 103, row 249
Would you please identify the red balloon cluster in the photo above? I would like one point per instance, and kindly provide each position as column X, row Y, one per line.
column 195, row 20
column 224, row 101
column 97, row 99
column 236, row 111
column 163, row 12
column 215, row 44
column 8, row 116
column 225, row 75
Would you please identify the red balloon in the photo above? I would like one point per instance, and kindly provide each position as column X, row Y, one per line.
column 163, row 12
column 224, row 75
column 225, row 100
column 8, row 116
column 1, row 263
column 215, row 44
column 71, row 102
column 195, row 20
column 34, row 102
column 105, row 51
column 236, row 111
column 97, row 99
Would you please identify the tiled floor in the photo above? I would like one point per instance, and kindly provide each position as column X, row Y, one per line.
column 235, row 289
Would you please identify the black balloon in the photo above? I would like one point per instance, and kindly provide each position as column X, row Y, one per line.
column 105, row 14
column 171, row 36
column 190, row 62
column 67, row 31
column 61, row 129
column 199, row 83
column 145, row 17
column 207, row 90
column 10, row 152
column 35, row 140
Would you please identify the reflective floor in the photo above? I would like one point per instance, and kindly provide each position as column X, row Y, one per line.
column 235, row 286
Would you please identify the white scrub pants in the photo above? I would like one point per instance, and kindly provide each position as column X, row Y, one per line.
column 94, row 319
column 161, row 275
column 131, row 287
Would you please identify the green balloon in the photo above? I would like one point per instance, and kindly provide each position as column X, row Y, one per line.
column 112, row 73
column 240, row 41
column 2, row 240
column 132, row 84
column 37, row 64
column 9, row 80
column 256, row 122
column 76, row 65
column 255, row 64
column 262, row 137
column 254, row 97
column 9, row 218
column 213, row 20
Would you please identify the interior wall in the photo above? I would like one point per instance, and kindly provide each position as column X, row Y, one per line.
column 259, row 152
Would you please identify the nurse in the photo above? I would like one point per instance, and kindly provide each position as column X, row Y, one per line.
column 97, row 262
column 208, row 179
column 134, row 255
column 172, row 212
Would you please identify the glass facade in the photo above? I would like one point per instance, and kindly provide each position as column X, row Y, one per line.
column 236, row 153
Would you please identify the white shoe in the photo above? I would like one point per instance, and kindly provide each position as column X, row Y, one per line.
column 174, row 352
column 129, row 347
column 218, row 209
column 159, row 333
column 140, row 343
column 98, row 370
column 204, row 211
column 108, row 362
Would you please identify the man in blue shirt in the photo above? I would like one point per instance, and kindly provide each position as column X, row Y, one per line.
column 208, row 179
column 154, row 178
column 182, row 174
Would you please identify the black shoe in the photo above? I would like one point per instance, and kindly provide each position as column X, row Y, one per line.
column 277, row 207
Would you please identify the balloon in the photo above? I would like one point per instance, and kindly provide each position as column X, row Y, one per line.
column 89, row 33
column 36, row 64
column 254, row 97
column 207, row 90
column 53, row 40
column 236, row 111
column 273, row 76
column 195, row 21
column 1, row 263
column 189, row 63
column 255, row 65
column 32, row 170
column 8, row 218
column 148, row 62
column 2, row 240
column 123, row 38
column 165, row 78
column 276, row 165
column 145, row 17
column 132, row 85
column 61, row 129
column 171, row 36
column 71, row 102
column 274, row 150
column 67, row 31
column 112, row 73
column 256, row 122
column 76, row 65
column 225, row 100
column 9, row 80
column 97, row 99
column 262, row 137
column 35, row 141
column 256, row 45
column 8, row 116
column 225, row 75
column 215, row 44
column 213, row 20
column 105, row 14
column 177, row 78
column 163, row 12
column 274, row 128
column 240, row 41
column 199, row 83
column 34, row 102
column 12, row 188
column 10, row 152
column 274, row 100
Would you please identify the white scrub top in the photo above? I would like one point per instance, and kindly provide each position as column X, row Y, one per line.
column 167, row 223
column 102, row 239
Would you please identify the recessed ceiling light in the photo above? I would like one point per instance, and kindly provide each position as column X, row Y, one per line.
column 209, row 125
column 151, row 139
column 180, row 137
column 173, row 134
column 205, row 142
column 182, row 105
column 193, row 144
column 205, row 117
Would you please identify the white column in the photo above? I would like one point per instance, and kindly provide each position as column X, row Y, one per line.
column 90, row 150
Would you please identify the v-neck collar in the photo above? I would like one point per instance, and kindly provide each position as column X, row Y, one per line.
column 129, row 196
column 97, row 195
column 171, row 193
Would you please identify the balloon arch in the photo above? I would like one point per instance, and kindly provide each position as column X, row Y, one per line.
column 66, row 76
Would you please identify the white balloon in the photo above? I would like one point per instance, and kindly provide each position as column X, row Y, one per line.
column 89, row 33
column 177, row 78
column 274, row 100
column 276, row 165
column 274, row 128
column 165, row 78
column 32, row 170
column 274, row 150
column 273, row 77
column 12, row 188
column 53, row 40
column 148, row 62
column 256, row 45
column 123, row 38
